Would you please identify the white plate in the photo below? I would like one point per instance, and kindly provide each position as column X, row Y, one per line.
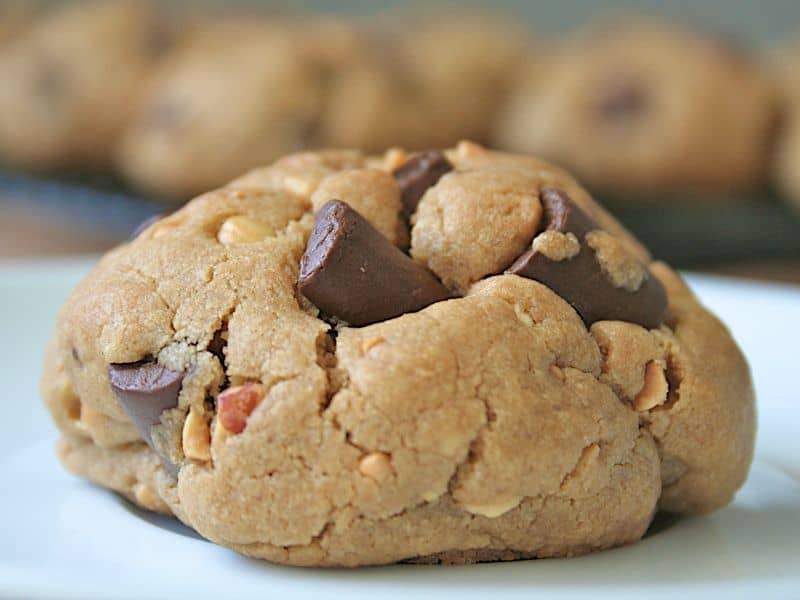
column 63, row 538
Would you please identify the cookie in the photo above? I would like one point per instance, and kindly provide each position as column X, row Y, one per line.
column 641, row 110
column 312, row 84
column 192, row 132
column 287, row 369
column 785, row 69
column 470, row 57
column 411, row 67
column 14, row 18
column 69, row 82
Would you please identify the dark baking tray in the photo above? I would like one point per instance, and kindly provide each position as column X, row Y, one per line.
column 684, row 234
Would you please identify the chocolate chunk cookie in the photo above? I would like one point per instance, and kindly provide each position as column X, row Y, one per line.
column 70, row 80
column 306, row 370
column 643, row 110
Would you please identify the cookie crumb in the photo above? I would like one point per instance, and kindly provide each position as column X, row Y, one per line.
column 620, row 266
column 556, row 245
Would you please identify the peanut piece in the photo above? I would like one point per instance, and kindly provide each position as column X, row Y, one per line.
column 146, row 497
column 655, row 388
column 492, row 510
column 393, row 158
column 469, row 149
column 299, row 186
column 243, row 230
column 376, row 465
column 163, row 227
column 196, row 437
column 236, row 404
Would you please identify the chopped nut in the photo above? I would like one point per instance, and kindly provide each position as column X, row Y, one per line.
column 393, row 158
column 376, row 465
column 622, row 268
column 370, row 343
column 655, row 388
column 469, row 149
column 146, row 497
column 299, row 186
column 196, row 437
column 556, row 245
column 243, row 230
column 236, row 404
column 220, row 434
column 492, row 510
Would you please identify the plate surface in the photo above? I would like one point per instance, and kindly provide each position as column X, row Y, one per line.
column 63, row 538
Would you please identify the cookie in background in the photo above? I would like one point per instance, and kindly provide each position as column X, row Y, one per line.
column 642, row 109
column 235, row 93
column 786, row 168
column 14, row 18
column 69, row 82
column 424, row 80
column 240, row 93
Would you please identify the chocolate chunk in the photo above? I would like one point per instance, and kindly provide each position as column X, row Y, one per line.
column 146, row 389
column 621, row 98
column 218, row 342
column 353, row 273
column 147, row 222
column 417, row 174
column 580, row 280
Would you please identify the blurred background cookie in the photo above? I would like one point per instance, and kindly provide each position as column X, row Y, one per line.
column 113, row 111
column 440, row 79
column 785, row 65
column 642, row 108
column 241, row 92
column 69, row 82
column 237, row 93
column 14, row 17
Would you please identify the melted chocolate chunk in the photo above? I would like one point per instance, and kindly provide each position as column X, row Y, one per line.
column 353, row 273
column 580, row 280
column 218, row 343
column 417, row 174
column 146, row 389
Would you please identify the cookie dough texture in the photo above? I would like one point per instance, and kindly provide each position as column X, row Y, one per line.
column 491, row 426
column 69, row 81
column 641, row 109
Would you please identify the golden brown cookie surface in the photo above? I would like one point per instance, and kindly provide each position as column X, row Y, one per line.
column 494, row 424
